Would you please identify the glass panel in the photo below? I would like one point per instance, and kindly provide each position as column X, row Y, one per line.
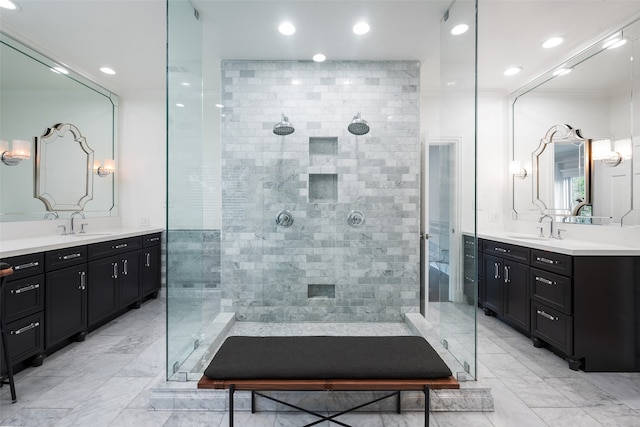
column 190, row 283
column 451, row 151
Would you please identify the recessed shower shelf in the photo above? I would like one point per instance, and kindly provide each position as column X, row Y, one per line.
column 323, row 151
column 323, row 188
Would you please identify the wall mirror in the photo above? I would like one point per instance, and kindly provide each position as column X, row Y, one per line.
column 563, row 187
column 69, row 186
column 37, row 93
column 593, row 92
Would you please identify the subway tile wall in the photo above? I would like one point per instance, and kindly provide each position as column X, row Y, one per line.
column 267, row 271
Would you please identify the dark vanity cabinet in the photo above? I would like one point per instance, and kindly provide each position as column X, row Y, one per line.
column 23, row 310
column 66, row 295
column 115, row 269
column 506, row 283
column 472, row 269
column 151, row 264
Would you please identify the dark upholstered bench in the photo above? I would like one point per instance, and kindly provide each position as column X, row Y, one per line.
column 327, row 363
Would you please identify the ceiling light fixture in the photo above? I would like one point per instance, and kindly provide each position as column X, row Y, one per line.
column 185, row 84
column 553, row 42
column 459, row 29
column 107, row 70
column 9, row 5
column 219, row 106
column 361, row 28
column 562, row 71
column 319, row 57
column 287, row 28
column 612, row 44
column 179, row 105
column 512, row 71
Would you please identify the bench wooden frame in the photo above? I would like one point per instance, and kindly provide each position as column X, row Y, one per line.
column 391, row 385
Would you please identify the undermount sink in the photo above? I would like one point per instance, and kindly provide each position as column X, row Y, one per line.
column 89, row 234
column 526, row 237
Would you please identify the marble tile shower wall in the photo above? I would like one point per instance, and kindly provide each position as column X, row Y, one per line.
column 193, row 260
column 320, row 173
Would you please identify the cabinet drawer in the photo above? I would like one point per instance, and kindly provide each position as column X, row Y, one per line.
column 552, row 326
column 25, row 265
column 552, row 289
column 551, row 261
column 23, row 297
column 66, row 257
column 151, row 240
column 507, row 251
column 25, row 337
column 113, row 247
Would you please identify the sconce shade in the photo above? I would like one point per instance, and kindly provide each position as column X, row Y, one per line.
column 108, row 167
column 600, row 149
column 517, row 170
column 21, row 149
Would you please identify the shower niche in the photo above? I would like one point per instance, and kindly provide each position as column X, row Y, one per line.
column 323, row 181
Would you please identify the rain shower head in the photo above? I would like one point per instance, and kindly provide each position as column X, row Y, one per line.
column 358, row 126
column 283, row 127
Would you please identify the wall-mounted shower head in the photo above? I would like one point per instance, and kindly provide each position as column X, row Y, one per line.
column 358, row 125
column 283, row 127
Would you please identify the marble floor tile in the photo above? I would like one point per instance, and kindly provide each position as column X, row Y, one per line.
column 140, row 418
column 197, row 419
column 614, row 415
column 36, row 417
column 562, row 417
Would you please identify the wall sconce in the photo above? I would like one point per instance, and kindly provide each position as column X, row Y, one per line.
column 518, row 171
column 106, row 170
column 611, row 153
column 21, row 151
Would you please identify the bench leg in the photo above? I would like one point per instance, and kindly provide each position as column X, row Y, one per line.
column 427, row 405
column 232, row 389
column 398, row 403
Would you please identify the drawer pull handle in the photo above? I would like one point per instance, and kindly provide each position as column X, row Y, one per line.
column 469, row 256
column 25, row 289
column 506, row 274
column 28, row 265
column 546, row 260
column 115, row 270
column 123, row 245
column 148, row 259
column 153, row 239
column 83, row 281
column 503, row 250
column 469, row 279
column 125, row 270
column 545, row 281
column 70, row 256
column 496, row 274
column 547, row 315
column 26, row 328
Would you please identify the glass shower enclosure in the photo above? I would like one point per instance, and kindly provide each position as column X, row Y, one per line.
column 312, row 229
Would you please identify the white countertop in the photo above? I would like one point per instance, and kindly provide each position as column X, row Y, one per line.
column 9, row 248
column 564, row 246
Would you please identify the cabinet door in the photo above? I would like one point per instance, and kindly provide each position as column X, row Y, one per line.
column 65, row 303
column 129, row 282
column 493, row 283
column 516, row 295
column 150, row 270
column 102, row 289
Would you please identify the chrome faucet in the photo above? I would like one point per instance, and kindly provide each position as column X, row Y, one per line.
column 550, row 224
column 73, row 215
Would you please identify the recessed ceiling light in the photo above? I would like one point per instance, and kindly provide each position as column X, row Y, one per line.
column 459, row 29
column 361, row 28
column 107, row 70
column 59, row 70
column 512, row 71
column 287, row 28
column 552, row 42
column 562, row 71
column 319, row 57
column 8, row 4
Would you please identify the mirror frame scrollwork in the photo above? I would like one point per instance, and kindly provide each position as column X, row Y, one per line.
column 560, row 134
column 43, row 190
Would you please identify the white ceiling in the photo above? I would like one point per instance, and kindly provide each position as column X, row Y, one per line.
column 130, row 35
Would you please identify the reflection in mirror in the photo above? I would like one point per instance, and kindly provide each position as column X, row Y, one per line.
column 33, row 97
column 64, row 165
column 563, row 187
column 598, row 96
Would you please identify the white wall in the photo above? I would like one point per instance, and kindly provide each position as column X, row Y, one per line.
column 142, row 159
